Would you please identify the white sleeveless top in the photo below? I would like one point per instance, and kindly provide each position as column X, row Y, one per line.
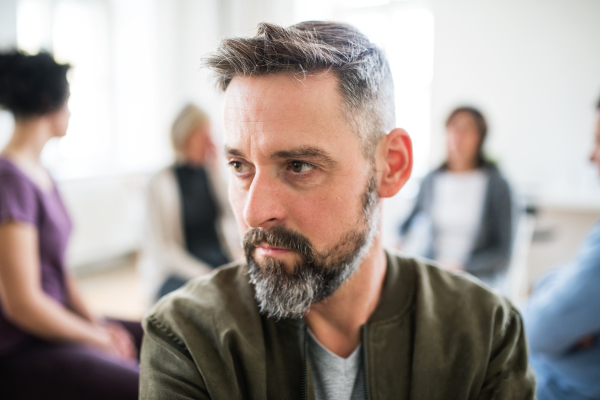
column 458, row 200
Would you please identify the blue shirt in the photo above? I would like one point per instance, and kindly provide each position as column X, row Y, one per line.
column 564, row 308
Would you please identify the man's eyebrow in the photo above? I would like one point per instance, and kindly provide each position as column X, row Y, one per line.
column 230, row 151
column 300, row 152
column 304, row 152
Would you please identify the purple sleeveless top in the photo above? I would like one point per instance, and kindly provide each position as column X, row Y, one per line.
column 22, row 201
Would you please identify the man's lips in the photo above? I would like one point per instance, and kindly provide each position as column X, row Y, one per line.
column 264, row 250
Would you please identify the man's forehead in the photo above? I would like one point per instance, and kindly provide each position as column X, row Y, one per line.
column 274, row 95
column 280, row 108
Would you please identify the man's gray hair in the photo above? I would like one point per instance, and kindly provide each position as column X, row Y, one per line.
column 314, row 47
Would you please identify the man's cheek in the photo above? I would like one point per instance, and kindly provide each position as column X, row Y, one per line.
column 319, row 223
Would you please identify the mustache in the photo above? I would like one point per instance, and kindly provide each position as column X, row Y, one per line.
column 279, row 236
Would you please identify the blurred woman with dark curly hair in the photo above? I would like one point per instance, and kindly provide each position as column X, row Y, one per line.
column 51, row 346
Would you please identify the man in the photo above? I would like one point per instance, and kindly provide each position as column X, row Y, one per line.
column 562, row 318
column 320, row 310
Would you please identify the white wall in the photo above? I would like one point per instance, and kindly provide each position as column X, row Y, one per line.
column 534, row 69
column 108, row 215
column 8, row 23
column 8, row 38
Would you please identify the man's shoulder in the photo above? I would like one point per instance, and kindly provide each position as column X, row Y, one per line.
column 457, row 285
column 455, row 310
column 447, row 295
column 205, row 338
column 222, row 298
column 465, row 329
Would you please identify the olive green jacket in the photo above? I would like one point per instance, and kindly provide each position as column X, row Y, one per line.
column 434, row 335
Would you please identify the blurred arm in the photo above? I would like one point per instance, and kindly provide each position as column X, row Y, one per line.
column 24, row 302
column 76, row 303
column 564, row 308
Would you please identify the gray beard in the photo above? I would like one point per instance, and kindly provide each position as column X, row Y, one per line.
column 282, row 293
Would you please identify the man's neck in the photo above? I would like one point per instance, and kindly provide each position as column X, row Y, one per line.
column 337, row 320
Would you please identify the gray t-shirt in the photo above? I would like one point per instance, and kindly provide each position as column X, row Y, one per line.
column 334, row 377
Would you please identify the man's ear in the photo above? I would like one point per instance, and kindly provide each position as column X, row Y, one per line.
column 395, row 161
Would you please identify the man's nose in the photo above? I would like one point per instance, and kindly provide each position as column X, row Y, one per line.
column 264, row 205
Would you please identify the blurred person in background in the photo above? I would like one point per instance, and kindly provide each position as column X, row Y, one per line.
column 51, row 346
column 562, row 320
column 466, row 205
column 191, row 227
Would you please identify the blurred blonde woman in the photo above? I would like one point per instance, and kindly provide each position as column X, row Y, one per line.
column 191, row 228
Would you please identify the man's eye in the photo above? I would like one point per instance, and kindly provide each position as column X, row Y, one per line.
column 238, row 166
column 299, row 166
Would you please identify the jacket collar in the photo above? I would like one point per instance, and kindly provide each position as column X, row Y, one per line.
column 398, row 291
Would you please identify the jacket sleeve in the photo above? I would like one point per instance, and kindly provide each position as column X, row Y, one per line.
column 496, row 256
column 508, row 375
column 167, row 372
column 165, row 247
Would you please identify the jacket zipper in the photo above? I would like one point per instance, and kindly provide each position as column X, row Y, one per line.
column 304, row 363
column 364, row 355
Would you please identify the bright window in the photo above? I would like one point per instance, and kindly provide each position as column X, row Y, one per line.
column 77, row 33
column 115, row 124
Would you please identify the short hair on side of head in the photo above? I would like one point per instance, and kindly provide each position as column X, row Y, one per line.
column 188, row 119
column 32, row 85
column 598, row 104
column 364, row 76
